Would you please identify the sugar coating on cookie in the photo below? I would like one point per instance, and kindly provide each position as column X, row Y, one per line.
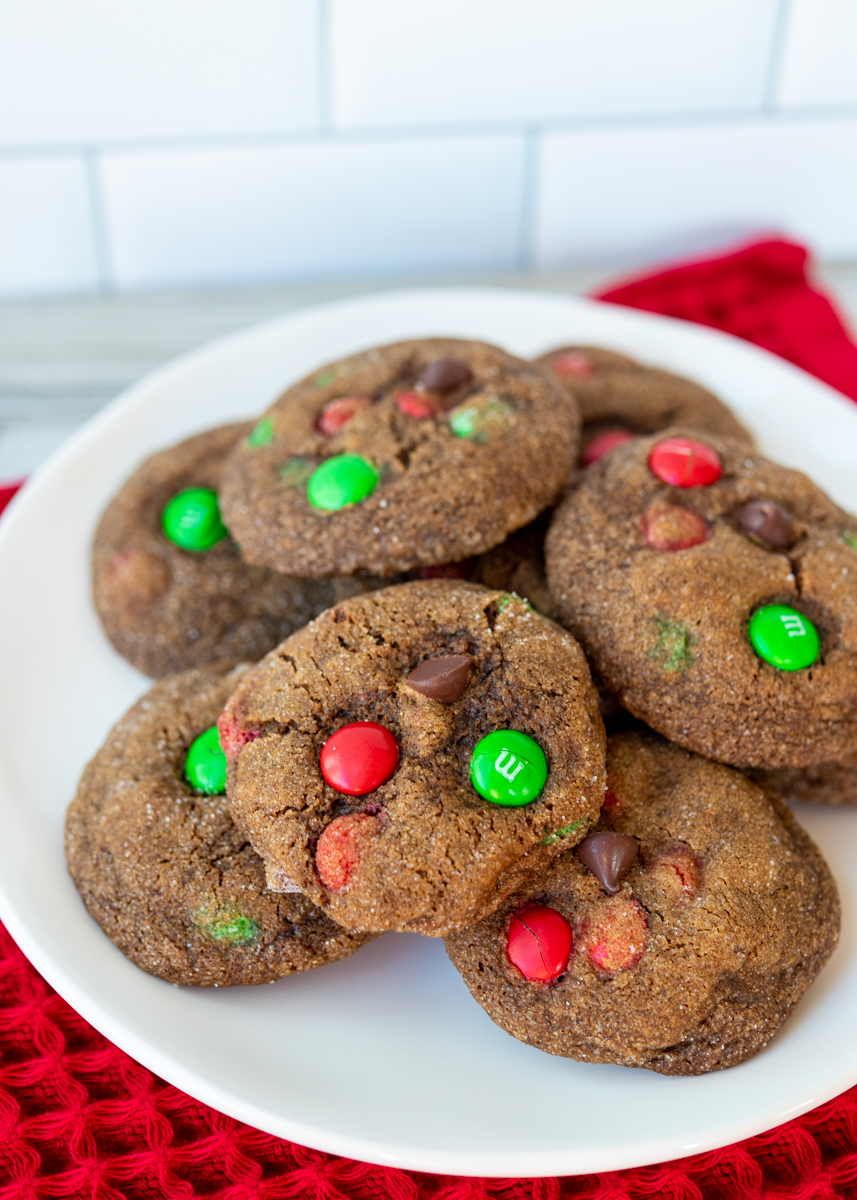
column 724, row 613
column 619, row 396
column 169, row 584
column 160, row 864
column 720, row 923
column 424, row 452
column 424, row 849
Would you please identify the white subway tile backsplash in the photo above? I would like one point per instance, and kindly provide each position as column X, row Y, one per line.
column 395, row 63
column 330, row 208
column 819, row 64
column 100, row 69
column 644, row 193
column 46, row 239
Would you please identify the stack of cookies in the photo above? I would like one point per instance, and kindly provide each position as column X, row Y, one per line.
column 389, row 621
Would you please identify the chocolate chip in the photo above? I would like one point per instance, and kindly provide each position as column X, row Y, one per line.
column 442, row 678
column 768, row 522
column 609, row 857
column 445, row 375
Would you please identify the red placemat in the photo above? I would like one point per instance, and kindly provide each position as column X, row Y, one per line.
column 79, row 1118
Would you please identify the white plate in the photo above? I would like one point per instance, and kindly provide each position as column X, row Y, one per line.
column 383, row 1057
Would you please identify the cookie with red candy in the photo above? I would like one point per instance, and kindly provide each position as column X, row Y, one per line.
column 620, row 398
column 678, row 936
column 715, row 593
column 413, row 755
column 403, row 456
column 169, row 583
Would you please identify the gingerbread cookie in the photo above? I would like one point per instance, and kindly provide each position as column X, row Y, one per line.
column 409, row 455
column 413, row 755
column 619, row 398
column 823, row 783
column 716, row 594
column 516, row 565
column 169, row 583
column 160, row 865
column 678, row 936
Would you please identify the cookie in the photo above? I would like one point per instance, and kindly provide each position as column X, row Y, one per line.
column 516, row 565
column 716, row 594
column 823, row 783
column 619, row 398
column 167, row 604
column 412, row 755
column 423, row 452
column 678, row 936
column 160, row 864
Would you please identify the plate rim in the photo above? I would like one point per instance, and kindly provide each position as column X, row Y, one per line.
column 562, row 1162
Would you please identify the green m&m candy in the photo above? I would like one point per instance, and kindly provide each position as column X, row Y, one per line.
column 223, row 923
column 508, row 768
column 192, row 520
column 343, row 479
column 205, row 765
column 482, row 419
column 784, row 637
column 262, row 433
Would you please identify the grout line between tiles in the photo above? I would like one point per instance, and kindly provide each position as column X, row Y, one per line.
column 98, row 217
column 770, row 102
column 529, row 195
column 405, row 133
column 324, row 68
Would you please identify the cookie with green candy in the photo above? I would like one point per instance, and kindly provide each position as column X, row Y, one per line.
column 677, row 936
column 159, row 863
column 716, row 595
column 404, row 456
column 169, row 583
column 620, row 398
column 414, row 754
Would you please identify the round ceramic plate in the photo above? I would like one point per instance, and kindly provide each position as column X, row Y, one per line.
column 383, row 1057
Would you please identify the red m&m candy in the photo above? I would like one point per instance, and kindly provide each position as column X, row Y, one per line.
column 603, row 443
column 615, row 936
column 358, row 758
column 683, row 462
column 342, row 847
column 412, row 404
column 673, row 527
column 339, row 412
column 571, row 364
column 539, row 943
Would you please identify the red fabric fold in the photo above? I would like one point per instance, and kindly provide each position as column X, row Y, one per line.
column 79, row 1118
column 760, row 293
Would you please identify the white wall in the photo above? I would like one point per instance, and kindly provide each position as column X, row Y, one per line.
column 178, row 142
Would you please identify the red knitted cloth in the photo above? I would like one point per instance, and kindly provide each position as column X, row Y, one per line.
column 759, row 292
column 79, row 1118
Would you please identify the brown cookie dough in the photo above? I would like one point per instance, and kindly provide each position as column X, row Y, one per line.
column 823, row 783
column 422, row 851
column 166, row 609
column 667, row 627
column 615, row 392
column 722, row 921
column 162, row 868
column 462, row 442
column 518, row 565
